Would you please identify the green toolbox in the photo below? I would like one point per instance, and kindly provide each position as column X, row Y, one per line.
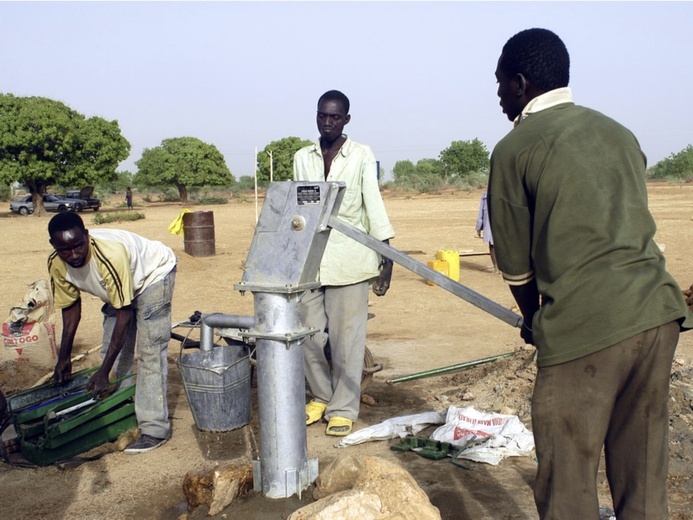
column 57, row 422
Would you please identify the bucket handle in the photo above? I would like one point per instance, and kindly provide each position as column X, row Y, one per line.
column 218, row 371
column 184, row 340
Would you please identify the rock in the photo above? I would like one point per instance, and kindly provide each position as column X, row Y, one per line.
column 526, row 374
column 347, row 505
column 123, row 441
column 229, row 484
column 468, row 396
column 367, row 399
column 367, row 488
column 218, row 486
column 443, row 398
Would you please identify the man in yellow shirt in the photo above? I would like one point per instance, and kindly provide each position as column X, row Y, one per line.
column 134, row 277
column 339, row 308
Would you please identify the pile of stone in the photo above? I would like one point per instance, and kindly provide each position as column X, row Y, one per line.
column 688, row 294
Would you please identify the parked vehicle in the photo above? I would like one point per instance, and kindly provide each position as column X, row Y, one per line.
column 24, row 206
column 85, row 194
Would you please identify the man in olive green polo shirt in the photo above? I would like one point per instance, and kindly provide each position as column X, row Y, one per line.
column 574, row 240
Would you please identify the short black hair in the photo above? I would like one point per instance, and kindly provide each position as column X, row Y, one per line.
column 335, row 95
column 540, row 56
column 65, row 221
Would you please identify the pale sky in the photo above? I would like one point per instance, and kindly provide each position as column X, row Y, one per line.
column 419, row 74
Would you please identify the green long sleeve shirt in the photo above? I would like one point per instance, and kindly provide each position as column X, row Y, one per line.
column 568, row 206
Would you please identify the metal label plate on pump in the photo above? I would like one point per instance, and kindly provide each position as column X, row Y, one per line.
column 290, row 236
column 307, row 195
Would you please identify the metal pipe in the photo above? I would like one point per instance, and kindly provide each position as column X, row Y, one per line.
column 423, row 270
column 232, row 321
column 214, row 320
column 451, row 368
column 284, row 467
column 206, row 337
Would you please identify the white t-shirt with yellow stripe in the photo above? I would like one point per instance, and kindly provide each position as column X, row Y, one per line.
column 120, row 265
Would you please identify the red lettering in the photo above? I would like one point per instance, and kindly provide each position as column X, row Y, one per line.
column 459, row 433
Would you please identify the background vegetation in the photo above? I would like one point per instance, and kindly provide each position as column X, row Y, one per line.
column 183, row 162
column 675, row 168
column 45, row 144
column 277, row 159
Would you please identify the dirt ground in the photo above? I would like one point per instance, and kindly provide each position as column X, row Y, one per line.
column 416, row 327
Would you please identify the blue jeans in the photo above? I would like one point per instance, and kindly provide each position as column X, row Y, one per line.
column 151, row 330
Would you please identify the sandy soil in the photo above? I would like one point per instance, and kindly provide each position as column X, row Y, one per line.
column 416, row 327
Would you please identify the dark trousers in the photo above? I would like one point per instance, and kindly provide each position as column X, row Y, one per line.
column 616, row 398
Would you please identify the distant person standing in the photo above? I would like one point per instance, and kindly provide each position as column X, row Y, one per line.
column 128, row 197
column 347, row 268
column 483, row 224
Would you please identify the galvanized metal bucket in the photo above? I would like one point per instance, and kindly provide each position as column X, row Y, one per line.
column 217, row 384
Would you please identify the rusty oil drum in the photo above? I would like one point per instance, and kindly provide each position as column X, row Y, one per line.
column 198, row 233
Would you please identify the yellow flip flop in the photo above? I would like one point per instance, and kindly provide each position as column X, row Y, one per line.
column 339, row 426
column 314, row 412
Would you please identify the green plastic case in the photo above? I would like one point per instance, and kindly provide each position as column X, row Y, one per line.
column 48, row 432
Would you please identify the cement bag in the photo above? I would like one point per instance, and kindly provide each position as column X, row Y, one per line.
column 505, row 435
column 394, row 427
column 28, row 335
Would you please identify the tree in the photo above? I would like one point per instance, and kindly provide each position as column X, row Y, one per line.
column 183, row 162
column 245, row 183
column 279, row 157
column 120, row 183
column 676, row 166
column 44, row 142
column 464, row 157
column 426, row 175
column 406, row 171
column 430, row 167
column 403, row 171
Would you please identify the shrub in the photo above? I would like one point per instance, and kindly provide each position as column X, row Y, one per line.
column 211, row 199
column 676, row 167
column 422, row 183
column 5, row 193
column 106, row 218
column 245, row 183
column 471, row 181
column 169, row 195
